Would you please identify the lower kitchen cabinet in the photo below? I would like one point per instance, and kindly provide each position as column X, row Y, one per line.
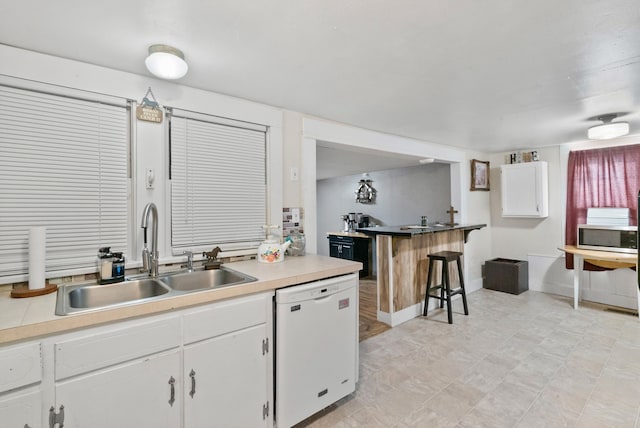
column 226, row 381
column 21, row 410
column 141, row 393
column 207, row 366
column 21, row 403
column 351, row 248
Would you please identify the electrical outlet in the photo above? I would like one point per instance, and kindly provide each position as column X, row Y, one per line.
column 294, row 173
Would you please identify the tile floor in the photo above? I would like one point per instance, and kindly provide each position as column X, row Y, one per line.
column 515, row 361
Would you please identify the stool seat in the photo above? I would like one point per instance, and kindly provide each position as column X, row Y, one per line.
column 449, row 256
column 446, row 293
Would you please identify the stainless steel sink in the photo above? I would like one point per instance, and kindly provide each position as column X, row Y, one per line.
column 72, row 299
column 85, row 298
column 205, row 279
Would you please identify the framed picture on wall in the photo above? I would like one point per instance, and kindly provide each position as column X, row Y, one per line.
column 479, row 175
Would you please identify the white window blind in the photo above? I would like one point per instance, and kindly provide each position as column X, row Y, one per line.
column 218, row 189
column 63, row 165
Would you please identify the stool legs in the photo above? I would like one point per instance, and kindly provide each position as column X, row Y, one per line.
column 426, row 294
column 447, row 284
column 445, row 287
column 464, row 293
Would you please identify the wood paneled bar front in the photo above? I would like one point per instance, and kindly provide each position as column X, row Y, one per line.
column 401, row 259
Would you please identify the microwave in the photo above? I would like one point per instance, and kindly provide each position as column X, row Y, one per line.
column 621, row 239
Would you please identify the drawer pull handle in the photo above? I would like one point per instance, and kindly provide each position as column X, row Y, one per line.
column 172, row 398
column 192, row 375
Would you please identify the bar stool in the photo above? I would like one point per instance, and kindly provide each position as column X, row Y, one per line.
column 446, row 293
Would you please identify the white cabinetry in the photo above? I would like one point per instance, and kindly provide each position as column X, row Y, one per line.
column 134, row 394
column 20, row 386
column 209, row 366
column 525, row 192
column 22, row 409
column 228, row 364
column 126, row 375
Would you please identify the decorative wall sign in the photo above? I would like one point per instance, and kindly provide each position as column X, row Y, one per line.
column 479, row 175
column 149, row 110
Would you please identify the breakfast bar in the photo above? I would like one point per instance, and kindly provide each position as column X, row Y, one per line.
column 401, row 258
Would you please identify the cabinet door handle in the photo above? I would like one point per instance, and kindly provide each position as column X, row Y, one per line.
column 172, row 384
column 192, row 375
column 56, row 418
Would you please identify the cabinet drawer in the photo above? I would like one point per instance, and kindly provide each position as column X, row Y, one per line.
column 20, row 365
column 109, row 347
column 225, row 317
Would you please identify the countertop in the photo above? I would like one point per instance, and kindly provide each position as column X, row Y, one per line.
column 412, row 230
column 35, row 316
column 349, row 234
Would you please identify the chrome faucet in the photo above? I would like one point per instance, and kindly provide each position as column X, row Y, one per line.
column 150, row 259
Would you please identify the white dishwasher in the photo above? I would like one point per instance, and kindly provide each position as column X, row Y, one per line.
column 316, row 346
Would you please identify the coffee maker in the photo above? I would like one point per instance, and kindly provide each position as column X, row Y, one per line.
column 352, row 221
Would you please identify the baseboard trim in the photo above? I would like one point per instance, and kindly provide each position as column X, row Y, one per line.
column 416, row 310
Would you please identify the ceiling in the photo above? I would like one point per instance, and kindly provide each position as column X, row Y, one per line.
column 490, row 75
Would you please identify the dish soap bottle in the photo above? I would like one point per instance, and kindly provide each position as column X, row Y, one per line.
column 271, row 251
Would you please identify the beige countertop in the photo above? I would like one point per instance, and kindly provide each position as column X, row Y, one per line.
column 27, row 318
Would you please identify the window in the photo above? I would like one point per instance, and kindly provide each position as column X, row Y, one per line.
column 218, row 183
column 64, row 166
column 608, row 177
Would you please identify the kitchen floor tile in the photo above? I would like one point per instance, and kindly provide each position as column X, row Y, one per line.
column 516, row 361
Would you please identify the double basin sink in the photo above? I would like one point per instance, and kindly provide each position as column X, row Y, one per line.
column 83, row 298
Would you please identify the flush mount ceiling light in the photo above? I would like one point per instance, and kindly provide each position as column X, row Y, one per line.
column 166, row 62
column 608, row 129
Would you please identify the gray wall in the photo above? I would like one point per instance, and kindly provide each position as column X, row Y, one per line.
column 403, row 196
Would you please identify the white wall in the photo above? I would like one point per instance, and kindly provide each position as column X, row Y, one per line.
column 473, row 207
column 150, row 145
column 403, row 196
column 539, row 240
column 290, row 147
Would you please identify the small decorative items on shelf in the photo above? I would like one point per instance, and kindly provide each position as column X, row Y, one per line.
column 520, row 157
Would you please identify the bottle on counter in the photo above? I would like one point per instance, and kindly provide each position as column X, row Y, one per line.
column 110, row 266
column 117, row 272
column 105, row 265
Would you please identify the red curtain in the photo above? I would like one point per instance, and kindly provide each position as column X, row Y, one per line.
column 608, row 177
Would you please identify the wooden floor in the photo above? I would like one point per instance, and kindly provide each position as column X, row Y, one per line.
column 369, row 325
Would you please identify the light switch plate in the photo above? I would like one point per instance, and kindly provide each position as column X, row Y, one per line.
column 295, row 215
column 294, row 173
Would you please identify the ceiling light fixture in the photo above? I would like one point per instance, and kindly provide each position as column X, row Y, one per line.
column 426, row 160
column 608, row 129
column 166, row 62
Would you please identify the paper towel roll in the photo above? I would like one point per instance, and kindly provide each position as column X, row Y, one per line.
column 37, row 249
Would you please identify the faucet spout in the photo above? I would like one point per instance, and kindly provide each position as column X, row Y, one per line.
column 151, row 210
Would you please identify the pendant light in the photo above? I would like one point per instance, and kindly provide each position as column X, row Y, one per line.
column 166, row 62
column 608, row 129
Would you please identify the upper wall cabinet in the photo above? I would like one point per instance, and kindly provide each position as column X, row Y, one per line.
column 525, row 190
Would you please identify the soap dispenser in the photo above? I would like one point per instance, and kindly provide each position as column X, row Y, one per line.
column 271, row 251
